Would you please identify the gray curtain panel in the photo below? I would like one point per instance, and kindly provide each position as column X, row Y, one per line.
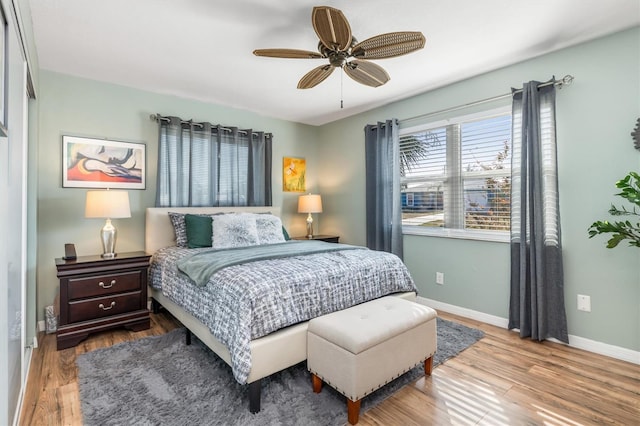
column 384, row 211
column 537, row 281
column 200, row 164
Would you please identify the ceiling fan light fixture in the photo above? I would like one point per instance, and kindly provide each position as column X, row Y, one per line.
column 338, row 59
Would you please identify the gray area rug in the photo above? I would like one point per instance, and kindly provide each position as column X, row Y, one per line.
column 161, row 381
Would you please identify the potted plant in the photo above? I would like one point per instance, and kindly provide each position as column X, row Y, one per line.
column 622, row 230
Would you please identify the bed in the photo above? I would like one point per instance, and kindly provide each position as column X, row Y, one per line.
column 276, row 349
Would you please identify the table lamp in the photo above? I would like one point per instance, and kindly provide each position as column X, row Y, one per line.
column 108, row 205
column 311, row 203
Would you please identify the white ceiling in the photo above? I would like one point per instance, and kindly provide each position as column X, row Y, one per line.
column 202, row 49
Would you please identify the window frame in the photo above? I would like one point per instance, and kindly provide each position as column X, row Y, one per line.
column 459, row 233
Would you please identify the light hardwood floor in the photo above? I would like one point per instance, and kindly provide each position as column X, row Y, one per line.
column 501, row 380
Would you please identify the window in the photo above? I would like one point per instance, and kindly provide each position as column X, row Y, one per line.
column 456, row 176
column 208, row 165
column 409, row 199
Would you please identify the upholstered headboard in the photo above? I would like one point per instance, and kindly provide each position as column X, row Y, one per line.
column 159, row 232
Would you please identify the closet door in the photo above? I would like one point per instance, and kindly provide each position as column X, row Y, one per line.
column 5, row 348
column 13, row 227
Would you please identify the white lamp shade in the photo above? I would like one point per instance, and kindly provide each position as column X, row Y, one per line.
column 107, row 204
column 311, row 203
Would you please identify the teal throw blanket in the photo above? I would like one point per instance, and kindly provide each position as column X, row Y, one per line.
column 201, row 266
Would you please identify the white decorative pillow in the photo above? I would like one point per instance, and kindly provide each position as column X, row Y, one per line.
column 269, row 229
column 234, row 230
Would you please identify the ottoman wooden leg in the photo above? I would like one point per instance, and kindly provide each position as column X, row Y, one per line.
column 317, row 383
column 428, row 366
column 353, row 411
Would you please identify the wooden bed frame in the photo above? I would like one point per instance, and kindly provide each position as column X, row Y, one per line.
column 269, row 354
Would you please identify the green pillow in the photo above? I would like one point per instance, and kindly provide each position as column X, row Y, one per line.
column 285, row 233
column 199, row 230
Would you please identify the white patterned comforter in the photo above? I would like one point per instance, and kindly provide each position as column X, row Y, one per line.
column 245, row 302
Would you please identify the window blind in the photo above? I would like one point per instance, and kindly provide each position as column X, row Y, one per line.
column 457, row 175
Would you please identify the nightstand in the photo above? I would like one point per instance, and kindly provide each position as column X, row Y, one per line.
column 98, row 294
column 326, row 238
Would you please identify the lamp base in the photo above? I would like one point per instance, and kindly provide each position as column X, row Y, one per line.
column 108, row 235
column 309, row 226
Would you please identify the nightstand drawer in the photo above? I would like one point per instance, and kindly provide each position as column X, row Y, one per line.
column 100, row 307
column 101, row 285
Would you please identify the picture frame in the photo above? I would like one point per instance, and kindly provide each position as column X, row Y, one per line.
column 102, row 163
column 293, row 174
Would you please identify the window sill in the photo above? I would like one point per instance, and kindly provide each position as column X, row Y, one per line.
column 499, row 237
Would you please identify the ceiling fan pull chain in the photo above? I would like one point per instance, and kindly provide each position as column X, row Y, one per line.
column 341, row 97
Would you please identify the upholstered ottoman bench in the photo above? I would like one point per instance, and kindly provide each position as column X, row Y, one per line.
column 360, row 349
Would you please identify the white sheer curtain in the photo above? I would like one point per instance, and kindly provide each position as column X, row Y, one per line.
column 200, row 164
column 537, row 280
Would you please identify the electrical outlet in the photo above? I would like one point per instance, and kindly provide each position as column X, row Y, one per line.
column 584, row 303
column 440, row 278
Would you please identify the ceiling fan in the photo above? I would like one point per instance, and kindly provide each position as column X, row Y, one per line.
column 343, row 51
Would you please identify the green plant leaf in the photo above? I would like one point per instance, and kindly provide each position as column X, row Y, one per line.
column 615, row 240
column 630, row 190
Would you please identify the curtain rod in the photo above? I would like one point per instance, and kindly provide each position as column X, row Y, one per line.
column 158, row 118
column 566, row 80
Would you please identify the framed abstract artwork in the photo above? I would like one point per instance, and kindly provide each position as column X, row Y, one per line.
column 293, row 174
column 100, row 163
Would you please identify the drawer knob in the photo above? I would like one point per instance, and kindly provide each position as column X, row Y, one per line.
column 103, row 285
column 101, row 306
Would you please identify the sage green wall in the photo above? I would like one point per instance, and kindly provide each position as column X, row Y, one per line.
column 595, row 116
column 75, row 106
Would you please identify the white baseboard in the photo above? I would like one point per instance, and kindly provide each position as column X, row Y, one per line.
column 41, row 325
column 601, row 348
column 464, row 312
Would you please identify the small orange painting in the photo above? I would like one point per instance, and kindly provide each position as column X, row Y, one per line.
column 293, row 174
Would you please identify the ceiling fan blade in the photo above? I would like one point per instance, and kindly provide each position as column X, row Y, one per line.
column 288, row 53
column 367, row 73
column 332, row 27
column 389, row 45
column 315, row 77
